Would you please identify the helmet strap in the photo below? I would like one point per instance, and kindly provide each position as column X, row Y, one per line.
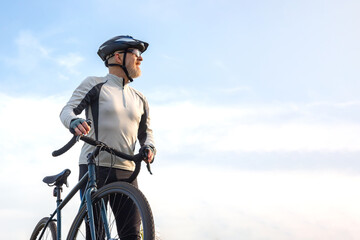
column 122, row 66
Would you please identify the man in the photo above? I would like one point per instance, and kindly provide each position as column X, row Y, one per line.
column 119, row 113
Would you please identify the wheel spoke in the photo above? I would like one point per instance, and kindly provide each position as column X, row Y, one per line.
column 125, row 204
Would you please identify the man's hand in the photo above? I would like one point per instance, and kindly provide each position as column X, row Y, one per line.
column 79, row 127
column 150, row 156
column 147, row 153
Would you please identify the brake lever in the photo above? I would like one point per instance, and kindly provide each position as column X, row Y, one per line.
column 148, row 167
column 144, row 157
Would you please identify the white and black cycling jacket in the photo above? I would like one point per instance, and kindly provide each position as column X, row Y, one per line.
column 120, row 116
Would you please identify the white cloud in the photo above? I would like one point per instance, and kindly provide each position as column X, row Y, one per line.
column 204, row 202
column 32, row 53
column 70, row 62
column 236, row 89
column 29, row 52
column 289, row 137
column 218, row 203
column 28, row 44
column 278, row 127
column 31, row 130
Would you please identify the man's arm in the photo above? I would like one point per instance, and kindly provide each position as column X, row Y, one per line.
column 80, row 100
column 145, row 134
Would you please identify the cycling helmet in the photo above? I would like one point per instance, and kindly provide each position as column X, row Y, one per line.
column 119, row 43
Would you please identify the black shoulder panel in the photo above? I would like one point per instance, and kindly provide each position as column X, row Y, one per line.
column 91, row 99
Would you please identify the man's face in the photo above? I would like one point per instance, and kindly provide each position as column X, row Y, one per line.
column 133, row 61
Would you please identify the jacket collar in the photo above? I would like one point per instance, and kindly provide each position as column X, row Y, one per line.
column 118, row 80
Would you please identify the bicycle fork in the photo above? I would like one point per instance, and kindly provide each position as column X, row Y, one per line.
column 91, row 215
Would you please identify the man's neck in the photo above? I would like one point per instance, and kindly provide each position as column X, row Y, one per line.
column 117, row 71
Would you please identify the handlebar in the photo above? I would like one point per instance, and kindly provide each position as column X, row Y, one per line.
column 65, row 148
column 137, row 158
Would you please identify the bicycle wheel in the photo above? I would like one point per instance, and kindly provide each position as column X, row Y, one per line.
column 138, row 223
column 50, row 232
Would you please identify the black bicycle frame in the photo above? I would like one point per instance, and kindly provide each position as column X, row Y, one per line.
column 90, row 180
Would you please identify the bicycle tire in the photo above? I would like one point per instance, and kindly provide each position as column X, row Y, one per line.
column 50, row 232
column 130, row 195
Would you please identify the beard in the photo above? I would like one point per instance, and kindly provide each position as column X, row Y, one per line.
column 134, row 71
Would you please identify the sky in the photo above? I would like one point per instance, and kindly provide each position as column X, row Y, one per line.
column 254, row 108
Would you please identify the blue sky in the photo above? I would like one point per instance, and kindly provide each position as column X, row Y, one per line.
column 298, row 51
column 256, row 100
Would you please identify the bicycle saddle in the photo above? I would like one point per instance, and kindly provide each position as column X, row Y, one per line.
column 58, row 180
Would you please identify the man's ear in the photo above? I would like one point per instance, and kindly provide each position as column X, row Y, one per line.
column 119, row 58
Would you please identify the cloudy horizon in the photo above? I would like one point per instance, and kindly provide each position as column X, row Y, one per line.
column 267, row 184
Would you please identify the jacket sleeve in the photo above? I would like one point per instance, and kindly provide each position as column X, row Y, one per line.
column 145, row 133
column 80, row 100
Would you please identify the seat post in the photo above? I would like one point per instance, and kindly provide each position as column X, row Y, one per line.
column 57, row 193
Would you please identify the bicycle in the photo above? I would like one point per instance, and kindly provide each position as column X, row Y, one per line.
column 95, row 215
